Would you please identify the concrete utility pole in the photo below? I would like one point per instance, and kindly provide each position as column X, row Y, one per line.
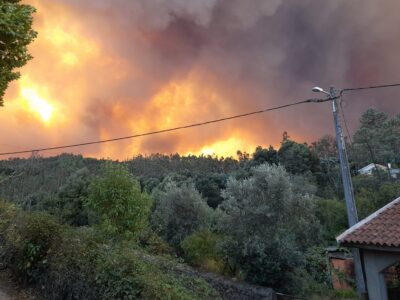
column 347, row 185
column 344, row 163
column 348, row 190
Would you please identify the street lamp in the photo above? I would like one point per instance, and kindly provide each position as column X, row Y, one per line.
column 317, row 89
column 347, row 183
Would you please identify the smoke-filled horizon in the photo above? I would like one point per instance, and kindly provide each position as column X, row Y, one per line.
column 109, row 68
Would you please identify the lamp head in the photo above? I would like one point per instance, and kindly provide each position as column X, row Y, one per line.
column 317, row 89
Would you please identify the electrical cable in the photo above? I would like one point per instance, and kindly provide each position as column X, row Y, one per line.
column 202, row 123
column 359, row 89
column 167, row 130
column 369, row 87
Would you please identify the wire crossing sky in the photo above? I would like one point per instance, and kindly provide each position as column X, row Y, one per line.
column 167, row 130
column 201, row 123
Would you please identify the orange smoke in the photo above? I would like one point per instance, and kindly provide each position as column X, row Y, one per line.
column 105, row 69
column 50, row 104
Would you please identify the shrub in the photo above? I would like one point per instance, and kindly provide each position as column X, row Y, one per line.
column 179, row 212
column 80, row 263
column 333, row 217
column 127, row 274
column 116, row 199
column 153, row 243
column 7, row 214
column 72, row 196
column 268, row 225
column 370, row 199
column 118, row 275
column 314, row 278
column 72, row 262
column 28, row 240
column 200, row 250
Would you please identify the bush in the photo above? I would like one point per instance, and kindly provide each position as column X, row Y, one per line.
column 126, row 274
column 333, row 217
column 200, row 250
column 79, row 263
column 72, row 196
column 154, row 244
column 116, row 199
column 28, row 240
column 118, row 275
column 72, row 262
column 269, row 224
column 314, row 278
column 371, row 199
column 7, row 214
column 179, row 212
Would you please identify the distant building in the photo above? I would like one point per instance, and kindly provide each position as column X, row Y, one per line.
column 368, row 170
column 395, row 173
column 378, row 238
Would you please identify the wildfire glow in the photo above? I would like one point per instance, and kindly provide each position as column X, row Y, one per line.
column 70, row 59
column 83, row 86
column 70, row 44
column 227, row 147
column 37, row 104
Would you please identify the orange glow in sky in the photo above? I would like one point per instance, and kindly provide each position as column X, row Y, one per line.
column 37, row 104
column 226, row 147
column 83, row 86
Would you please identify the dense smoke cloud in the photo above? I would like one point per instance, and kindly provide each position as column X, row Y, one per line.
column 117, row 67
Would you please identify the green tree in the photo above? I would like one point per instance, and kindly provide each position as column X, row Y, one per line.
column 377, row 140
column 268, row 224
column 200, row 250
column 370, row 200
column 210, row 186
column 179, row 212
column 116, row 199
column 16, row 34
column 368, row 146
column 72, row 197
column 325, row 147
column 333, row 218
column 261, row 156
column 298, row 158
column 392, row 139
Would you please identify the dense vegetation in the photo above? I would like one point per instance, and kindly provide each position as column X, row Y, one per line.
column 264, row 218
column 81, row 263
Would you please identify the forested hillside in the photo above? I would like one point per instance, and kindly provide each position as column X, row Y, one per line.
column 264, row 217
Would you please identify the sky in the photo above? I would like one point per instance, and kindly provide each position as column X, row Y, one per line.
column 111, row 68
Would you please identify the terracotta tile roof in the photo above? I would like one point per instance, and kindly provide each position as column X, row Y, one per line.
column 381, row 229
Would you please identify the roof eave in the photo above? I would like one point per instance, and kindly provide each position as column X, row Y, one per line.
column 371, row 247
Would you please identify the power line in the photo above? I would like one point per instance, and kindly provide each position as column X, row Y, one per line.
column 359, row 89
column 169, row 129
column 370, row 87
column 198, row 124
